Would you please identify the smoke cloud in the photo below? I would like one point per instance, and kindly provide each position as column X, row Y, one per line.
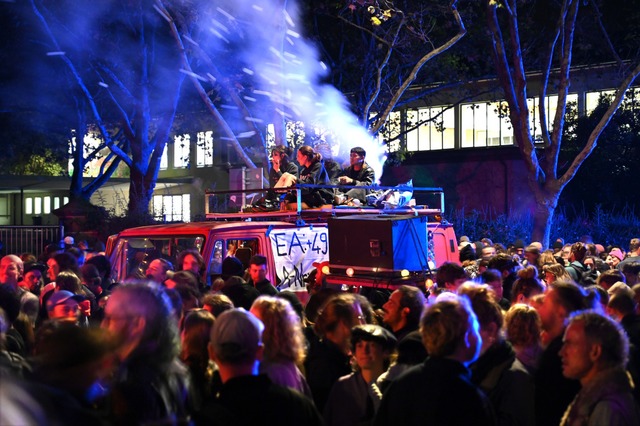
column 266, row 38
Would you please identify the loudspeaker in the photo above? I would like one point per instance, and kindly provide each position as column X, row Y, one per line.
column 385, row 242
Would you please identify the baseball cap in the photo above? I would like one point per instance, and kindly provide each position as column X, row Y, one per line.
column 61, row 296
column 236, row 336
column 30, row 266
column 374, row 333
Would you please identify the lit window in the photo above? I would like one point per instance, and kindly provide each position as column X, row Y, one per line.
column 551, row 104
column 181, row 149
column 65, row 200
column 204, row 149
column 593, row 98
column 28, row 206
column 37, row 205
column 485, row 124
column 172, row 208
column 56, row 203
column 47, row 205
column 430, row 129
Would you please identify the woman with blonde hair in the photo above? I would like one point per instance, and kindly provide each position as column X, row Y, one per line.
column 523, row 329
column 555, row 272
column 547, row 258
column 284, row 343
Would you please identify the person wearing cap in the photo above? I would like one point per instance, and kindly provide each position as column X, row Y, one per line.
column 518, row 246
column 614, row 257
column 355, row 398
column 71, row 366
column 246, row 397
column 64, row 306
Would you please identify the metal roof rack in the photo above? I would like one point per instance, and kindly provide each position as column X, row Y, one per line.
column 217, row 205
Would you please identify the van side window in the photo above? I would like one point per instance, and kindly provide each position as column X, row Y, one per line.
column 241, row 249
column 215, row 267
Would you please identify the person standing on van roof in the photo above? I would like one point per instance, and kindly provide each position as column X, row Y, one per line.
column 258, row 275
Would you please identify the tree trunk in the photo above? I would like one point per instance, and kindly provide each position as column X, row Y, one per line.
column 140, row 193
column 546, row 204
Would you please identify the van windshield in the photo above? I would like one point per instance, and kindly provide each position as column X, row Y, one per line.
column 132, row 256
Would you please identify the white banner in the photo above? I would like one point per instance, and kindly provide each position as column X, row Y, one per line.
column 295, row 251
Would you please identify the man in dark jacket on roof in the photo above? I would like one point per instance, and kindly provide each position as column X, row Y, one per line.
column 358, row 173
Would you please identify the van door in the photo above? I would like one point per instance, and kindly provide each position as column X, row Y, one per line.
column 445, row 245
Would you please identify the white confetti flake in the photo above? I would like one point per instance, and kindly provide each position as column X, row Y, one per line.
column 228, row 15
column 192, row 74
column 245, row 135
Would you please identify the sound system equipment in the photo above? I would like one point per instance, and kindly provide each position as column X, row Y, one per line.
column 378, row 243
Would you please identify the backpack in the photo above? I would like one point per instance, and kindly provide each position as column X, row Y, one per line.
column 587, row 278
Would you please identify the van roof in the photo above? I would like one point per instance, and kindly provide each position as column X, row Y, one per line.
column 198, row 227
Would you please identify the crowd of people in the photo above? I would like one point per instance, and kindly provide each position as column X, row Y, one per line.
column 508, row 336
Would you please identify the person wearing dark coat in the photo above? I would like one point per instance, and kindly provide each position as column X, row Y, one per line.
column 257, row 275
column 439, row 391
column 330, row 355
column 281, row 165
column 553, row 391
column 312, row 172
column 358, row 173
column 500, row 375
column 245, row 397
column 235, row 287
column 355, row 398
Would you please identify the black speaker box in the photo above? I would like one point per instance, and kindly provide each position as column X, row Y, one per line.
column 378, row 242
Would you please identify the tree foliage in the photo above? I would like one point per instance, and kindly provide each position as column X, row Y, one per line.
column 377, row 49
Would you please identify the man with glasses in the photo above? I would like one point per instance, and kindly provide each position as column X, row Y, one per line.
column 151, row 385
